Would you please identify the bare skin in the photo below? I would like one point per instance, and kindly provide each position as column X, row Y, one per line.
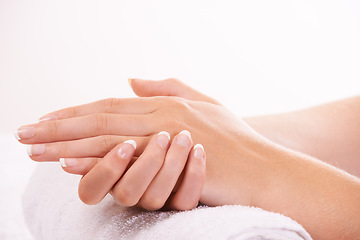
column 329, row 132
column 243, row 167
column 166, row 175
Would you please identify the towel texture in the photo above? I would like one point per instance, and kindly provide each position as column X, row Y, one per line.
column 53, row 211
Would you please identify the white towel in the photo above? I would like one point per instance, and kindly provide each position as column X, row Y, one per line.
column 53, row 211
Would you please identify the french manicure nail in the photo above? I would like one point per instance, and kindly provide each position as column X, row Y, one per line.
column 35, row 150
column 132, row 142
column 199, row 151
column 48, row 118
column 163, row 139
column 24, row 133
column 130, row 81
column 125, row 150
column 183, row 138
column 68, row 162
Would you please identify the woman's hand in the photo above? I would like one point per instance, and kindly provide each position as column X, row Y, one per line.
column 150, row 181
column 92, row 130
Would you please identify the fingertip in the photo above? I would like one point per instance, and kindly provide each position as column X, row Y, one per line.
column 164, row 133
column 131, row 142
column 130, row 80
column 16, row 135
column 186, row 132
column 148, row 88
column 85, row 197
column 199, row 151
column 163, row 139
column 137, row 90
column 184, row 139
column 125, row 150
column 76, row 166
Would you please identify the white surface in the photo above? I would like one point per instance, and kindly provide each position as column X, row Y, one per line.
column 59, row 214
column 255, row 56
column 15, row 171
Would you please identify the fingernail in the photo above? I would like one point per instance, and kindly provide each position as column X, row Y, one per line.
column 132, row 142
column 35, row 150
column 130, row 81
column 183, row 138
column 199, row 151
column 68, row 162
column 163, row 139
column 48, row 118
column 125, row 150
column 24, row 133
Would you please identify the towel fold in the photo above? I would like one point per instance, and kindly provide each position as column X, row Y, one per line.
column 52, row 210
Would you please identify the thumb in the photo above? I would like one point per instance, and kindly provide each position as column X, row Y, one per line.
column 167, row 87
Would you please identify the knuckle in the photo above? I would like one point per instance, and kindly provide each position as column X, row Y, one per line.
column 178, row 102
column 53, row 128
column 73, row 111
column 184, row 205
column 152, row 203
column 173, row 126
column 62, row 148
column 125, row 196
column 177, row 112
column 110, row 103
column 195, row 173
column 101, row 123
column 173, row 105
column 109, row 169
column 179, row 107
column 156, row 160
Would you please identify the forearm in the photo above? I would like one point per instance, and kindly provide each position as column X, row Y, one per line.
column 325, row 200
column 322, row 198
column 329, row 132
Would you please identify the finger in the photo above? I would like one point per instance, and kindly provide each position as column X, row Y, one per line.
column 86, row 126
column 188, row 195
column 81, row 166
column 96, row 147
column 110, row 105
column 168, row 87
column 128, row 191
column 161, row 187
column 98, row 182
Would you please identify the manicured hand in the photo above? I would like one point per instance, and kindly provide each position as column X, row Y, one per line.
column 150, row 182
column 92, row 130
column 95, row 145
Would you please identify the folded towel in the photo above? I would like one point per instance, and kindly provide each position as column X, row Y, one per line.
column 52, row 210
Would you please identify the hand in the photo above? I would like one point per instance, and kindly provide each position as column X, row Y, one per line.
column 150, row 182
column 92, row 130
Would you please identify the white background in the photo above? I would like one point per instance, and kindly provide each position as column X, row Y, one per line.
column 254, row 56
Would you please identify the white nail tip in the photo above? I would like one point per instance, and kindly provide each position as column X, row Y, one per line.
column 164, row 133
column 132, row 142
column 28, row 150
column 186, row 132
column 199, row 146
column 62, row 162
column 16, row 135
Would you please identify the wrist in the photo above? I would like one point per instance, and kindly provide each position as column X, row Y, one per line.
column 243, row 175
